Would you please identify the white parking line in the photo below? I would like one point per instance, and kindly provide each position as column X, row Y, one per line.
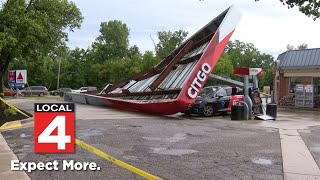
column 298, row 162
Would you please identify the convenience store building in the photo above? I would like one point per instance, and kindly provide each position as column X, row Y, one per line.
column 298, row 72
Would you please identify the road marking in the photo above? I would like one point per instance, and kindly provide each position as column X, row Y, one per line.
column 18, row 124
column 10, row 125
column 298, row 162
column 15, row 125
column 114, row 160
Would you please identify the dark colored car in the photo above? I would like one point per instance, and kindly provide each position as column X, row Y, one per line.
column 214, row 99
column 57, row 92
column 34, row 91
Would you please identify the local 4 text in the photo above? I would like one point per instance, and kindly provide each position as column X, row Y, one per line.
column 54, row 127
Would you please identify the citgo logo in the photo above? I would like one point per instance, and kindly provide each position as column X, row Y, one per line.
column 196, row 83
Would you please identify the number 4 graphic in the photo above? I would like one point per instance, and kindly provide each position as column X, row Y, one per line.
column 61, row 139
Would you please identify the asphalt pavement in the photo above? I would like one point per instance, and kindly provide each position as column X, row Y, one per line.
column 312, row 139
column 171, row 147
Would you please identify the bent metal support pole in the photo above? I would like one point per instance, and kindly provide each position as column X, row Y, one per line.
column 255, row 82
column 246, row 97
column 228, row 80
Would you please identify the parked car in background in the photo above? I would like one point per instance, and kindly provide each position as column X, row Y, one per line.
column 9, row 92
column 57, row 92
column 214, row 99
column 85, row 89
column 34, row 91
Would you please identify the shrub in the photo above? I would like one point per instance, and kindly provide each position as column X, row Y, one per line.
column 9, row 112
column 61, row 93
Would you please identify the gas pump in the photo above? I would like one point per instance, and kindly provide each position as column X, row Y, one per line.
column 251, row 95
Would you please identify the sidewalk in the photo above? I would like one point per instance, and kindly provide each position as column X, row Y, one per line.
column 6, row 155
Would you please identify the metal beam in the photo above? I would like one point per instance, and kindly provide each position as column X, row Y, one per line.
column 203, row 40
column 162, row 64
column 150, row 74
column 231, row 81
column 190, row 59
column 161, row 92
column 140, row 76
column 169, row 67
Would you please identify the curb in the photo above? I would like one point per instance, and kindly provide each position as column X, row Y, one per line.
column 16, row 124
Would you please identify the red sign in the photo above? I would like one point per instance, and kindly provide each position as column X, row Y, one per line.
column 12, row 76
column 54, row 128
column 20, row 76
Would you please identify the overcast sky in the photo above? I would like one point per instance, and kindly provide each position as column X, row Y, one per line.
column 267, row 24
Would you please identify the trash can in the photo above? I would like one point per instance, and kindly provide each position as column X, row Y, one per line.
column 272, row 110
column 237, row 112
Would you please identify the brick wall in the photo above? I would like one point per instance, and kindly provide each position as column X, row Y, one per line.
column 283, row 86
column 283, row 89
column 306, row 80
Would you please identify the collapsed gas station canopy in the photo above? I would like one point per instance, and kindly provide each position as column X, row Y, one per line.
column 173, row 84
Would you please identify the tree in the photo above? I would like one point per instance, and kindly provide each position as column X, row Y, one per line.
column 134, row 52
column 224, row 66
column 290, row 47
column 247, row 55
column 149, row 60
column 300, row 47
column 168, row 41
column 44, row 66
column 113, row 41
column 30, row 28
column 308, row 7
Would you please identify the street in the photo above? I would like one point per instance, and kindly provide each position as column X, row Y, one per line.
column 171, row 147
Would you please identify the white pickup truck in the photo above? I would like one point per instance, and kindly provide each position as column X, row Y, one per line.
column 85, row 89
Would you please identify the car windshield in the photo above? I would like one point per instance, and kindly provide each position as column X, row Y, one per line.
column 209, row 91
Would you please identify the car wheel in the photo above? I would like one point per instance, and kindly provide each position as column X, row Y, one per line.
column 208, row 110
column 23, row 94
column 41, row 94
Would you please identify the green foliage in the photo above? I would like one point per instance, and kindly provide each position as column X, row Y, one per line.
column 149, row 60
column 113, row 41
column 308, row 7
column 300, row 47
column 247, row 55
column 168, row 41
column 110, row 59
column 311, row 8
column 134, row 52
column 30, row 30
column 9, row 112
column 115, row 70
column 224, row 66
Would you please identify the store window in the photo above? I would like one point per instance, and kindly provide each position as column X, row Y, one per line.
column 293, row 81
column 316, row 83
